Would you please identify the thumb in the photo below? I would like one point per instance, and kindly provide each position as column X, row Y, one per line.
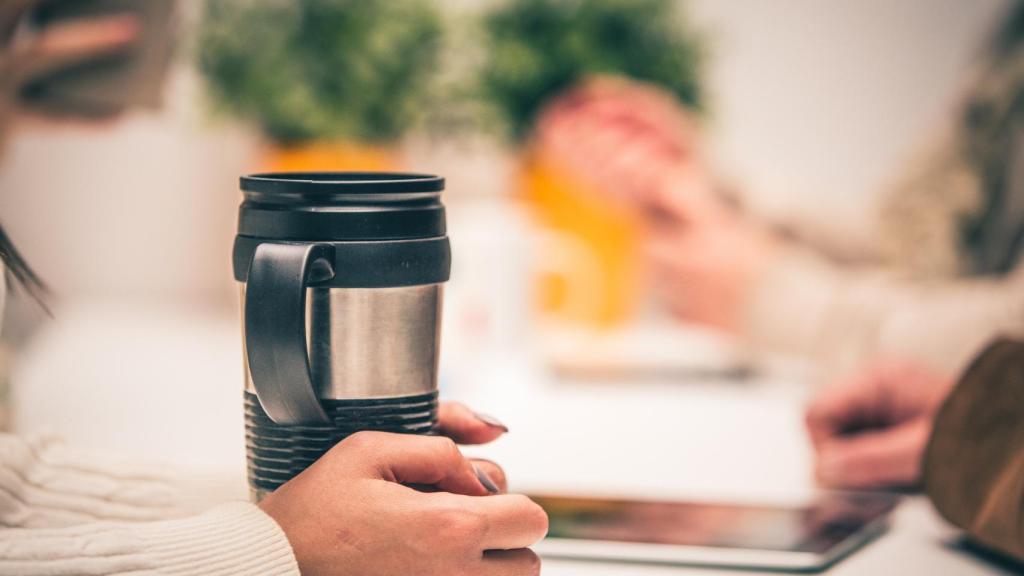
column 461, row 424
column 860, row 400
column 889, row 457
column 431, row 461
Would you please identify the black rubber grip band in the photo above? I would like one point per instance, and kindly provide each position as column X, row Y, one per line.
column 278, row 453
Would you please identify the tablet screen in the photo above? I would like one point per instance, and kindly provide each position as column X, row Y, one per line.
column 813, row 528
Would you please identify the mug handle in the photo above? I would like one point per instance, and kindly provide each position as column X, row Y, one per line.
column 275, row 328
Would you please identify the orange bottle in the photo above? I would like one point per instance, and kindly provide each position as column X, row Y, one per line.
column 590, row 262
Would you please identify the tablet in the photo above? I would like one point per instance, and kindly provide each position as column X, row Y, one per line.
column 804, row 538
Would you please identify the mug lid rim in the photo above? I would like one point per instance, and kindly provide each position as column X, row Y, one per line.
column 341, row 182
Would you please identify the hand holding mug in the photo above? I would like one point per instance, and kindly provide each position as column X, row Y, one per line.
column 380, row 504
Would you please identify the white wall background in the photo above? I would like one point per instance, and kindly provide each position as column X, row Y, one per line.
column 815, row 104
column 141, row 207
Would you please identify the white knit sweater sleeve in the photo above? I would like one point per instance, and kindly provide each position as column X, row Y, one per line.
column 63, row 513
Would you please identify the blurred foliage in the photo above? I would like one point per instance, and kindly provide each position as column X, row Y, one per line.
column 538, row 48
column 321, row 69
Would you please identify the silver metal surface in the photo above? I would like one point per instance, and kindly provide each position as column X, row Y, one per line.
column 370, row 342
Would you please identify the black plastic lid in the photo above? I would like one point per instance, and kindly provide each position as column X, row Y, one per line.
column 341, row 206
column 341, row 186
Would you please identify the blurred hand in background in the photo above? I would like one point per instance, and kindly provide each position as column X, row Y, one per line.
column 704, row 272
column 639, row 144
column 871, row 429
column 627, row 137
column 28, row 55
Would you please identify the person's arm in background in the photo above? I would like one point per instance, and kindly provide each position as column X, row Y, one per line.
column 801, row 303
column 895, row 424
column 918, row 308
column 713, row 265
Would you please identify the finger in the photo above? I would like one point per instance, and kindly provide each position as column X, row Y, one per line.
column 465, row 426
column 646, row 100
column 416, row 460
column 854, row 402
column 634, row 110
column 875, row 459
column 494, row 473
column 518, row 562
column 63, row 45
column 592, row 133
column 513, row 521
column 689, row 196
column 583, row 142
column 675, row 255
column 631, row 157
column 641, row 109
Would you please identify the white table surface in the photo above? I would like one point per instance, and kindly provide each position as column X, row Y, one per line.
column 87, row 378
column 707, row 441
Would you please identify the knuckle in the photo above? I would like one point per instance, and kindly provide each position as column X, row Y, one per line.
column 361, row 441
column 459, row 526
column 448, row 448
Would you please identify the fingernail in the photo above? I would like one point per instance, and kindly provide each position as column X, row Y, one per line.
column 485, row 480
column 490, row 421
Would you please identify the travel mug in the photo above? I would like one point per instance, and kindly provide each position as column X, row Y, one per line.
column 341, row 279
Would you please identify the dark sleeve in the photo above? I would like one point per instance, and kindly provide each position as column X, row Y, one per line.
column 974, row 463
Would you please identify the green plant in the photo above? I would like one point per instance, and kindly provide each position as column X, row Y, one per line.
column 538, row 48
column 321, row 69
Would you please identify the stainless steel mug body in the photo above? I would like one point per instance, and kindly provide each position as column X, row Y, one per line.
column 341, row 312
column 370, row 342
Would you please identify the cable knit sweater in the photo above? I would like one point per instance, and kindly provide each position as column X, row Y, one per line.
column 65, row 513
